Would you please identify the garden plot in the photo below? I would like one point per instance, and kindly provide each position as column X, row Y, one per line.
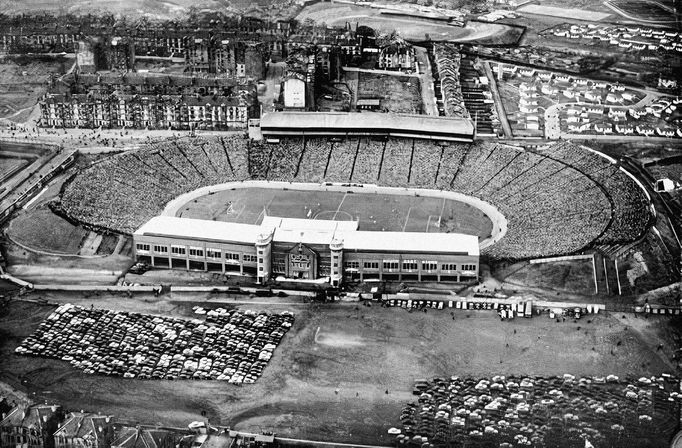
column 233, row 346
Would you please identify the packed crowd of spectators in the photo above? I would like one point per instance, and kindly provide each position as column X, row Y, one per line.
column 556, row 201
column 424, row 170
column 539, row 411
column 394, row 169
column 315, row 158
column 448, row 59
column 630, row 205
column 285, row 158
column 368, row 161
column 124, row 191
column 341, row 160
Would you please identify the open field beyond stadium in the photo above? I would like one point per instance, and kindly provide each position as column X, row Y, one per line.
column 409, row 27
column 329, row 377
column 373, row 211
column 566, row 13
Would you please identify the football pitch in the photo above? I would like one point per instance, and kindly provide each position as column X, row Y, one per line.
column 377, row 212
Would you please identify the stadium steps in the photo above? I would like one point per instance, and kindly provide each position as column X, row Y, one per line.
column 494, row 176
column 227, row 154
column 440, row 162
column 518, row 176
column 210, row 159
column 329, row 158
column 381, row 161
column 409, row 172
column 172, row 166
column 161, row 173
column 184, row 154
column 355, row 159
column 300, row 159
column 462, row 162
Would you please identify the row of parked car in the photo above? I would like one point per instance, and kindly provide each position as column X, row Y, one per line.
column 233, row 346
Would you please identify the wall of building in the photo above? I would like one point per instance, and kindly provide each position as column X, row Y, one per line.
column 215, row 256
column 359, row 265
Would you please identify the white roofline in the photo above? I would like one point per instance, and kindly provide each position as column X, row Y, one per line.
column 311, row 232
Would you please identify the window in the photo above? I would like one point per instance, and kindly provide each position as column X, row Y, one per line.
column 468, row 267
column 231, row 256
column 391, row 265
column 161, row 249
column 351, row 265
column 335, row 264
column 260, row 252
column 178, row 250
column 429, row 265
column 249, row 258
column 260, row 268
column 260, row 260
column 196, row 252
column 143, row 247
column 279, row 266
column 448, row 267
column 370, row 265
column 409, row 265
column 213, row 253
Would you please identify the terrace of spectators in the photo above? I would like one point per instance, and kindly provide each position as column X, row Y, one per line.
column 556, row 201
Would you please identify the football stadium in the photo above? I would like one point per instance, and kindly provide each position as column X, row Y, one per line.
column 519, row 203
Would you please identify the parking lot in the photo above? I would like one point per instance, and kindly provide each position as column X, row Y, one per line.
column 331, row 383
column 537, row 411
column 233, row 346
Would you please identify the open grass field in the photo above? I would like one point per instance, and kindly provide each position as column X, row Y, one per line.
column 563, row 12
column 398, row 94
column 329, row 377
column 22, row 82
column 573, row 276
column 42, row 230
column 644, row 10
column 373, row 211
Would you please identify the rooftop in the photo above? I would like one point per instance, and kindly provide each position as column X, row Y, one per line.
column 311, row 231
column 358, row 121
column 200, row 229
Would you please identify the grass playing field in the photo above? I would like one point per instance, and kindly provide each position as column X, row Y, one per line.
column 373, row 211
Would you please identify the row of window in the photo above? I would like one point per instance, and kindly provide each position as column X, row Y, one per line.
column 215, row 254
column 407, row 265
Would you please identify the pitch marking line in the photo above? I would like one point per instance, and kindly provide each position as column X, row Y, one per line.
column 339, row 207
column 407, row 218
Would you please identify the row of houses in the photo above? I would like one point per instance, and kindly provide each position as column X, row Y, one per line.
column 49, row 426
column 179, row 112
column 145, row 101
column 625, row 37
column 41, row 33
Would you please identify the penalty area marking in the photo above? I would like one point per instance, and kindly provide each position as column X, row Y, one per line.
column 333, row 214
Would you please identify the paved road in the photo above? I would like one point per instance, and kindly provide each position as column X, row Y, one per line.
column 553, row 129
column 272, row 86
column 427, row 83
column 499, row 105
